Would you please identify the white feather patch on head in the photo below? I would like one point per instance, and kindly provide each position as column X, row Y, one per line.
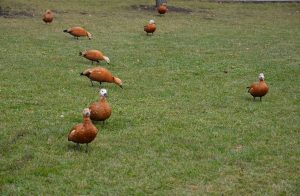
column 103, row 92
column 89, row 35
column 83, row 52
column 86, row 112
column 261, row 76
column 151, row 22
column 106, row 59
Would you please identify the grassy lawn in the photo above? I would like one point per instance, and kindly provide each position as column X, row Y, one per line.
column 184, row 123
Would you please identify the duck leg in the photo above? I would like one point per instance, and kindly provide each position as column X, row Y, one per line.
column 260, row 98
column 78, row 146
column 86, row 149
column 100, row 83
column 92, row 82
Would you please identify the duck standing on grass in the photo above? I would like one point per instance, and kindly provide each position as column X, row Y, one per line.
column 100, row 110
column 48, row 16
column 162, row 9
column 85, row 132
column 150, row 27
column 260, row 88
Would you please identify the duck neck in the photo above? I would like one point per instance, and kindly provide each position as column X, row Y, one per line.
column 86, row 120
column 102, row 99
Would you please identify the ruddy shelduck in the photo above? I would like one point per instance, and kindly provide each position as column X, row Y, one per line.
column 162, row 9
column 100, row 74
column 151, row 27
column 48, row 16
column 260, row 88
column 100, row 110
column 78, row 32
column 85, row 132
column 94, row 55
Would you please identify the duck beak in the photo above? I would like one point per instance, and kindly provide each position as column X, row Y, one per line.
column 121, row 86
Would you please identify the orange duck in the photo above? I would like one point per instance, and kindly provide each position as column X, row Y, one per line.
column 101, row 74
column 48, row 16
column 259, row 89
column 162, row 9
column 100, row 111
column 150, row 28
column 94, row 55
column 85, row 132
column 78, row 32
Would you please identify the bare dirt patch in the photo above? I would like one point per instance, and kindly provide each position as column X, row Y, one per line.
column 7, row 12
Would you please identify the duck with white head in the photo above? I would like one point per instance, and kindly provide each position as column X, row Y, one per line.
column 150, row 27
column 101, row 110
column 260, row 88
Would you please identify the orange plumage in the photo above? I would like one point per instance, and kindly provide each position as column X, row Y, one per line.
column 94, row 55
column 101, row 74
column 78, row 32
column 48, row 16
column 151, row 27
column 84, row 132
column 162, row 9
column 100, row 110
column 259, row 89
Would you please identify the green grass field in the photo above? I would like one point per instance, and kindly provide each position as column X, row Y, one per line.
column 184, row 123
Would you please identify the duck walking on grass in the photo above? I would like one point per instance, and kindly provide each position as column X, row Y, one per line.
column 100, row 74
column 94, row 55
column 260, row 88
column 85, row 132
column 78, row 32
column 150, row 27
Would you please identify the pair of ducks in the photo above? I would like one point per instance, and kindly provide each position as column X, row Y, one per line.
column 93, row 55
column 48, row 17
column 86, row 132
column 151, row 26
column 99, row 74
